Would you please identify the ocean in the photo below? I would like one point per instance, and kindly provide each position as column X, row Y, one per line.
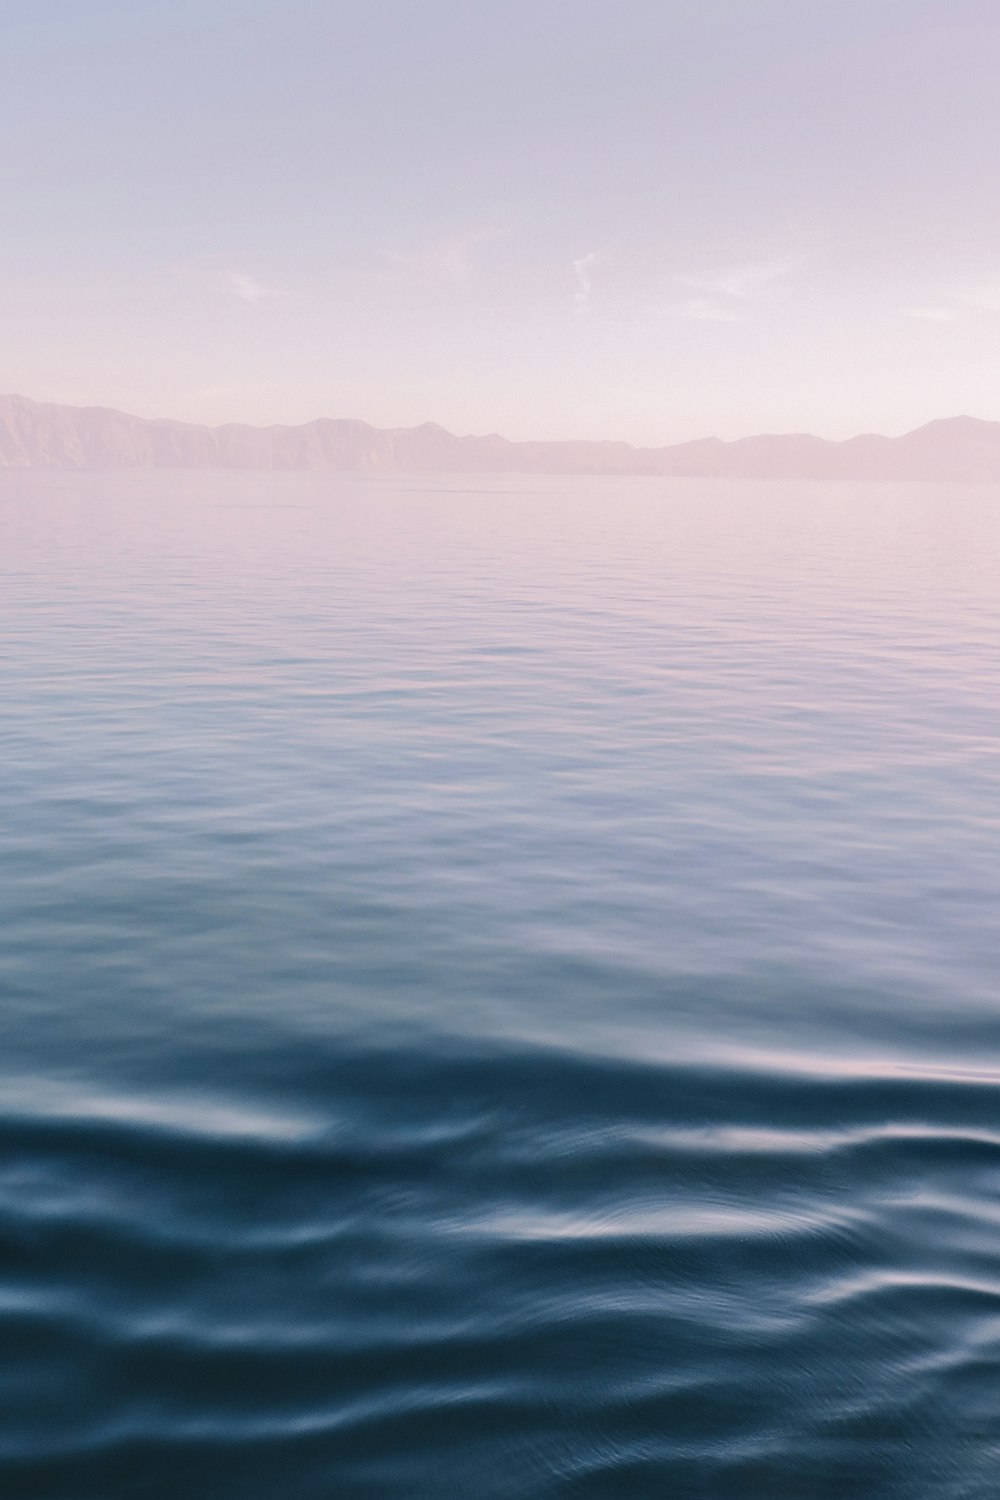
column 500, row 988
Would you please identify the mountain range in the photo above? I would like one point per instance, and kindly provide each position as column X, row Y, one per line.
column 37, row 434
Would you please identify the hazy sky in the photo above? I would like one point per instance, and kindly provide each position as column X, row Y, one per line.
column 649, row 219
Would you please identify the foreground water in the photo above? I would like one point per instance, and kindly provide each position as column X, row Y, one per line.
column 500, row 989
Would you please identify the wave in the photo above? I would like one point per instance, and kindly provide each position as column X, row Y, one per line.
column 504, row 1272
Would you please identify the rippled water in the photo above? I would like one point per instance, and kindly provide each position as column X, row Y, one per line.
column 500, row 989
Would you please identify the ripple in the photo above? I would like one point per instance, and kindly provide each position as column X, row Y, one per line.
column 508, row 1013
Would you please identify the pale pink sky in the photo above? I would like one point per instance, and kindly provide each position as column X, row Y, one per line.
column 648, row 219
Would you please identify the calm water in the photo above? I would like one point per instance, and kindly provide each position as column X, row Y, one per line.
column 501, row 989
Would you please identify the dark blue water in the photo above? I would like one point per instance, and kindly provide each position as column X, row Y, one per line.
column 500, row 990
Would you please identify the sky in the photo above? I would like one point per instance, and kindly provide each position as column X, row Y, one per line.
column 641, row 219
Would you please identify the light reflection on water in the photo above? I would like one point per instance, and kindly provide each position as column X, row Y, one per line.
column 500, row 988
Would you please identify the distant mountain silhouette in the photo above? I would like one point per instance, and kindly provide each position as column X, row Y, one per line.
column 37, row 434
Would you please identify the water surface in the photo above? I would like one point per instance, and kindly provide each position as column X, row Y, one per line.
column 499, row 989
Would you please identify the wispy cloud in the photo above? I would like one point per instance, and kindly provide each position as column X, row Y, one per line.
column 730, row 295
column 210, row 393
column 249, row 289
column 930, row 314
column 740, row 283
column 958, row 303
column 706, row 310
column 583, row 266
column 450, row 259
column 981, row 298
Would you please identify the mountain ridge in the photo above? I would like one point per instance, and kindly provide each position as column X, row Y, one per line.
column 38, row 434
